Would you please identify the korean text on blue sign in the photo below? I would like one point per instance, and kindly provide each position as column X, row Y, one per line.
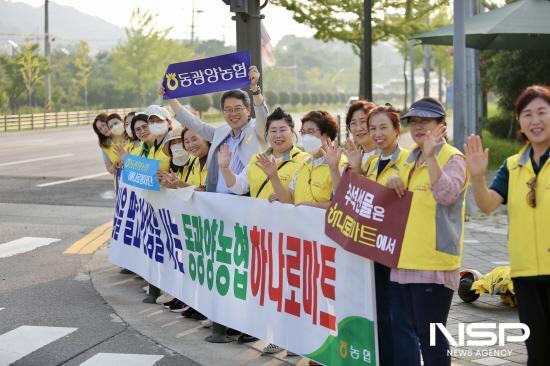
column 141, row 172
column 208, row 75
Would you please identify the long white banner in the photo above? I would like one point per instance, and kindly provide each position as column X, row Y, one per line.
column 266, row 269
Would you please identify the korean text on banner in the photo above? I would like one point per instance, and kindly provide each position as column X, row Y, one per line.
column 141, row 172
column 264, row 268
column 207, row 75
column 368, row 219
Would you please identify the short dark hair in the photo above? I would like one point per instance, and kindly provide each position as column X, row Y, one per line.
column 277, row 115
column 237, row 94
column 138, row 117
column 358, row 105
column 325, row 121
column 528, row 95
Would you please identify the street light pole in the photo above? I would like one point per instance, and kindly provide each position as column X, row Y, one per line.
column 47, row 54
column 365, row 87
column 459, row 72
column 194, row 12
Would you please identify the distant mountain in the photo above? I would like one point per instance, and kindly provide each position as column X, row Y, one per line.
column 67, row 26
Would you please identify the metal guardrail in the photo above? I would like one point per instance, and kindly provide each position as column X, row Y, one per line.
column 21, row 122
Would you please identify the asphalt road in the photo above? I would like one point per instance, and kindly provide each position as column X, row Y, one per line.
column 50, row 314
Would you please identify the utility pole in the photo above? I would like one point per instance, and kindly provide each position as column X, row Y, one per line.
column 365, row 85
column 248, row 18
column 193, row 13
column 47, row 54
column 459, row 72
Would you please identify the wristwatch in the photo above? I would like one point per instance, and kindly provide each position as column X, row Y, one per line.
column 257, row 92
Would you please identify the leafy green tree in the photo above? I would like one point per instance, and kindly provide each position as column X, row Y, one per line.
column 507, row 73
column 305, row 98
column 321, row 98
column 313, row 98
column 344, row 20
column 11, row 81
column 212, row 47
column 32, row 67
column 140, row 63
column 217, row 100
column 284, row 98
column 201, row 103
column 271, row 97
column 83, row 67
column 4, row 101
column 295, row 98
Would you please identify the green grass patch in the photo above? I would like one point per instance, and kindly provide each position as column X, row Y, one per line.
column 499, row 149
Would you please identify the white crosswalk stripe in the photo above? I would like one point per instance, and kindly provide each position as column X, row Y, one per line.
column 22, row 245
column 22, row 341
column 122, row 359
column 26, row 339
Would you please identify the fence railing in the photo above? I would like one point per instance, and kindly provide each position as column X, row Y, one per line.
column 21, row 122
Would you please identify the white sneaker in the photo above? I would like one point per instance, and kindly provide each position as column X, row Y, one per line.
column 207, row 323
column 272, row 348
column 164, row 298
column 145, row 289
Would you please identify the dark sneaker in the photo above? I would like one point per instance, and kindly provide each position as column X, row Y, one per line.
column 198, row 316
column 188, row 313
column 168, row 303
column 245, row 338
column 177, row 307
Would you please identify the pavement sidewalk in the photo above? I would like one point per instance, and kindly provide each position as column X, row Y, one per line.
column 485, row 247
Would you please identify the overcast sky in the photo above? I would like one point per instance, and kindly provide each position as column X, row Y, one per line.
column 213, row 23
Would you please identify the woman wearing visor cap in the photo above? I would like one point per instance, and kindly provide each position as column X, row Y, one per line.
column 422, row 285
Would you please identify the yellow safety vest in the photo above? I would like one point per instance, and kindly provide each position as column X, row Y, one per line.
column 314, row 184
column 529, row 228
column 197, row 176
column 395, row 165
column 157, row 154
column 260, row 186
column 185, row 172
column 133, row 147
column 434, row 234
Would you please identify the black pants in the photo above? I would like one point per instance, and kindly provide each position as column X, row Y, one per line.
column 382, row 285
column 413, row 307
column 533, row 297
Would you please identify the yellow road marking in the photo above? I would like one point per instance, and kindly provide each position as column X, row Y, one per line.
column 89, row 243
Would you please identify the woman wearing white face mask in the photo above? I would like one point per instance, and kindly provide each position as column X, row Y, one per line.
column 312, row 183
column 180, row 158
column 193, row 173
column 159, row 124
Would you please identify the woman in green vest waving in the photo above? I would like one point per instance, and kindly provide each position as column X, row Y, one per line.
column 523, row 183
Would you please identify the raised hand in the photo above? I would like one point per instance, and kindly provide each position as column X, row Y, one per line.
column 224, row 156
column 477, row 158
column 267, row 165
column 332, row 154
column 433, row 139
column 354, row 155
column 161, row 90
column 254, row 76
column 120, row 151
column 394, row 182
